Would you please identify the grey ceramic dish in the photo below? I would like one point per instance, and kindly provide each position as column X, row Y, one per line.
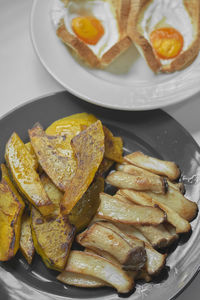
column 153, row 132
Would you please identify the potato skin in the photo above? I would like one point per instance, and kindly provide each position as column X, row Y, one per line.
column 11, row 210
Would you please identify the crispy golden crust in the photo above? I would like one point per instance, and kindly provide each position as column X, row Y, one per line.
column 80, row 48
column 121, row 9
column 115, row 51
column 137, row 9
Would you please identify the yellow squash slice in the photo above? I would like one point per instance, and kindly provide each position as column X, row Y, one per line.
column 11, row 210
column 26, row 241
column 25, row 176
column 52, row 239
column 89, row 149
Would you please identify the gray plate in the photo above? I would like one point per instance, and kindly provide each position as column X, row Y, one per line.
column 153, row 132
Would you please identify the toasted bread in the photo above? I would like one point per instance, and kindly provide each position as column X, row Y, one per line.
column 136, row 33
column 120, row 10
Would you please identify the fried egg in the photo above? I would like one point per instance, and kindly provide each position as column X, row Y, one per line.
column 92, row 21
column 167, row 26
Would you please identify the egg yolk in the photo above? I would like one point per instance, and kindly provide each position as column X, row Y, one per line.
column 166, row 42
column 88, row 29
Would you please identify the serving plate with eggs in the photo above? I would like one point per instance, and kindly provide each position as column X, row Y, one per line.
column 121, row 54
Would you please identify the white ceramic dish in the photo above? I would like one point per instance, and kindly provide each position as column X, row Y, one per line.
column 127, row 84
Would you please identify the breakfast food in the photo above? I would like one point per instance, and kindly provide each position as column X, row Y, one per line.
column 124, row 235
column 166, row 33
column 94, row 30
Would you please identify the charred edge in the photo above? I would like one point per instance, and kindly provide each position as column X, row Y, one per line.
column 136, row 259
column 12, row 244
column 165, row 185
column 39, row 221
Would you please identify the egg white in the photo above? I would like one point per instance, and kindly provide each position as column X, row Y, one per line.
column 99, row 9
column 168, row 12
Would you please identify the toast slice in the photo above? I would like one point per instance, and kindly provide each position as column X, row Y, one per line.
column 139, row 28
column 114, row 40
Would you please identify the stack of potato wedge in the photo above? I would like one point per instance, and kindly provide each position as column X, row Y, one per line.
column 53, row 188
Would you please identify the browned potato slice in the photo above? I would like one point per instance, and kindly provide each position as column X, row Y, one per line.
column 58, row 167
column 81, row 280
column 142, row 183
column 26, row 241
column 52, row 239
column 11, row 210
column 25, row 176
column 176, row 201
column 116, row 210
column 154, row 165
column 102, row 238
column 141, row 198
column 89, row 150
column 113, row 146
column 158, row 236
column 93, row 265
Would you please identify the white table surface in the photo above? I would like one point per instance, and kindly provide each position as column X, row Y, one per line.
column 22, row 78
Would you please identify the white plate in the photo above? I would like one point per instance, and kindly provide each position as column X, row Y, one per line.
column 127, row 84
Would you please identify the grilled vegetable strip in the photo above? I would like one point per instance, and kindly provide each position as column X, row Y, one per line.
column 93, row 265
column 114, row 209
column 102, row 238
column 181, row 225
column 154, row 165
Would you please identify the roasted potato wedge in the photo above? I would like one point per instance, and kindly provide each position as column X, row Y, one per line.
column 25, row 176
column 141, row 198
column 142, row 183
column 11, row 210
column 26, row 241
column 154, row 165
column 113, row 146
column 105, row 239
column 93, row 265
column 81, row 280
column 116, row 210
column 176, row 201
column 58, row 167
column 52, row 239
column 89, row 149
